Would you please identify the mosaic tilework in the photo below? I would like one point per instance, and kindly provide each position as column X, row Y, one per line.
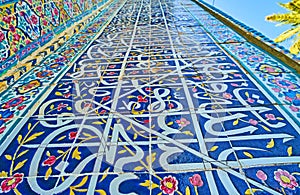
column 28, row 25
column 151, row 99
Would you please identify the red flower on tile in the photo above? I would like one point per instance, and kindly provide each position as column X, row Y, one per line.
column 67, row 95
column 196, row 180
column 72, row 135
column 45, row 22
column 111, row 73
column 141, row 99
column 2, row 129
column 16, row 37
column 106, row 98
column 49, row 161
column 148, row 89
column 2, row 36
column 146, row 121
column 11, row 182
column 61, row 106
column 34, row 19
column 39, row 8
column 7, row 19
column 102, row 112
column 55, row 11
column 21, row 107
column 171, row 105
column 169, row 185
column 14, row 102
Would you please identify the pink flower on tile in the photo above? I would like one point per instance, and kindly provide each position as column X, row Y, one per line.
column 49, row 161
column 237, row 75
column 183, row 122
column 276, row 89
column 194, row 90
column 11, row 182
column 270, row 117
column 169, row 185
column 294, row 109
column 234, row 85
column 253, row 122
column 227, row 95
column 288, row 99
column 250, row 100
column 261, row 175
column 285, row 179
column 196, row 180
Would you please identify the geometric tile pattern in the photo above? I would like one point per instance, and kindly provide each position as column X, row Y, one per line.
column 163, row 100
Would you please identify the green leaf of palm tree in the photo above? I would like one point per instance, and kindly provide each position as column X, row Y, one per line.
column 287, row 34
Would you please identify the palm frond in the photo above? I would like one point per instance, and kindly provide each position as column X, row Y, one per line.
column 291, row 6
column 289, row 18
column 295, row 48
column 287, row 34
column 296, row 3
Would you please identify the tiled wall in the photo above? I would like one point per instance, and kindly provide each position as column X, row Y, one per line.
column 26, row 25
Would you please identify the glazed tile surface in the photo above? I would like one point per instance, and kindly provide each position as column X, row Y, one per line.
column 153, row 97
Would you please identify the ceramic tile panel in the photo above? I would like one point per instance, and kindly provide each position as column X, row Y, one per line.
column 153, row 97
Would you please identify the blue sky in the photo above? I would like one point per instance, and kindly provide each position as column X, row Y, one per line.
column 253, row 13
